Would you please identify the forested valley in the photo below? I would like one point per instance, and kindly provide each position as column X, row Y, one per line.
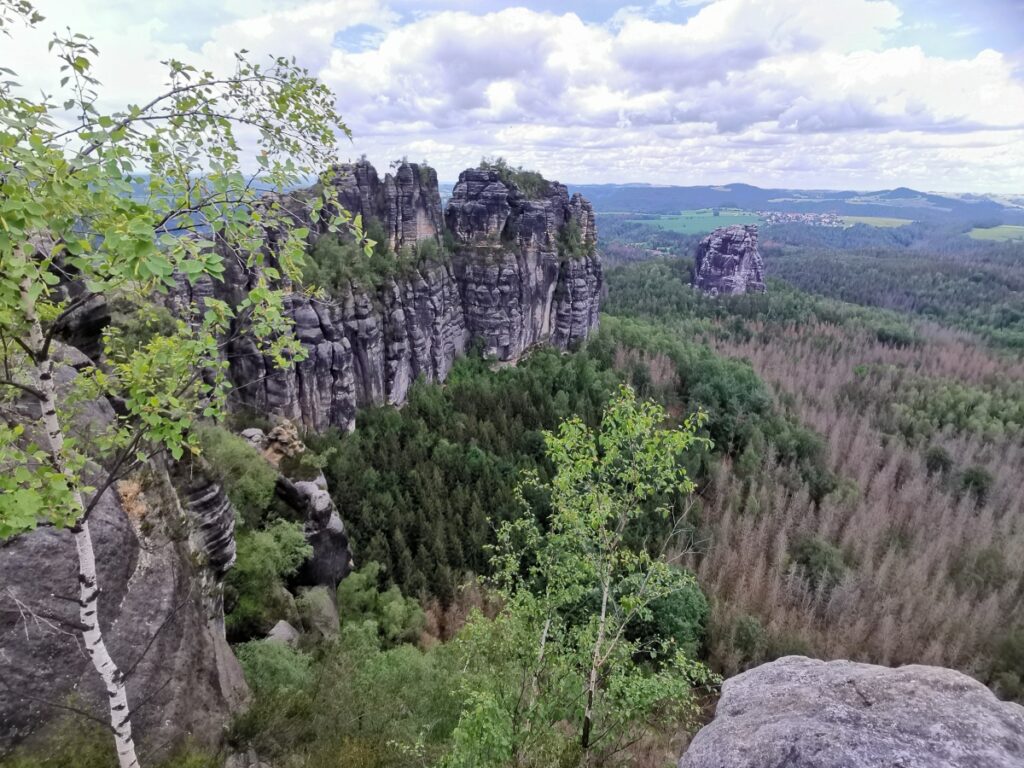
column 858, row 497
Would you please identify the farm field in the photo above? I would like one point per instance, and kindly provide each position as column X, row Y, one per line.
column 1002, row 233
column 699, row 221
column 875, row 221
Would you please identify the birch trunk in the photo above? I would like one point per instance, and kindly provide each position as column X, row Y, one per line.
column 88, row 586
column 595, row 663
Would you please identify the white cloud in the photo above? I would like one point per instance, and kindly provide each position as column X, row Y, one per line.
column 780, row 92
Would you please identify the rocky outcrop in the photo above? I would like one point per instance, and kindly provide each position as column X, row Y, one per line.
column 163, row 541
column 407, row 202
column 525, row 272
column 311, row 502
column 804, row 713
column 728, row 261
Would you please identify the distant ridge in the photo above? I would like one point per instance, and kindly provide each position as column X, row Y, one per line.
column 901, row 202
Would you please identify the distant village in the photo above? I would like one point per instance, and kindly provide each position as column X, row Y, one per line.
column 811, row 219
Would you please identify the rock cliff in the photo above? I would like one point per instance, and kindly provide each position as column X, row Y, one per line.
column 524, row 272
column 163, row 543
column 805, row 713
column 728, row 261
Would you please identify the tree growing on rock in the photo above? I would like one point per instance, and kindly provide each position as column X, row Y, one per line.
column 98, row 205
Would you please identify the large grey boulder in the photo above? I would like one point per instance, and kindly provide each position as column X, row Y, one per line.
column 728, row 261
column 803, row 713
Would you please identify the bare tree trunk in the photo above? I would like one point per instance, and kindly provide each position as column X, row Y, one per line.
column 88, row 587
column 588, row 712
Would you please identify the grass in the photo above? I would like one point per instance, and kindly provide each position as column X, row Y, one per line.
column 700, row 221
column 1002, row 233
column 875, row 221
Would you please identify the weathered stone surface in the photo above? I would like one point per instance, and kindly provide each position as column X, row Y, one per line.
column 510, row 285
column 518, row 287
column 318, row 611
column 728, row 261
column 331, row 560
column 161, row 550
column 283, row 633
column 803, row 713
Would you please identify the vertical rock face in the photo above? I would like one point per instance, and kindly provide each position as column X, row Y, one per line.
column 407, row 203
column 162, row 547
column 519, row 287
column 511, row 284
column 728, row 261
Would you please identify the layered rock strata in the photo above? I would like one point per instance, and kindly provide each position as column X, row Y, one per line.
column 511, row 283
column 728, row 261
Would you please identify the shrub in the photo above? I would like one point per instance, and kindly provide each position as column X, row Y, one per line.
column 397, row 618
column 248, row 478
column 570, row 240
column 820, row 563
column 1007, row 672
column 530, row 183
column 255, row 597
column 271, row 667
column 937, row 460
column 977, row 481
column 679, row 619
column 749, row 638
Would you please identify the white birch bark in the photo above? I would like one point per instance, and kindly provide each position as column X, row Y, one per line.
column 88, row 586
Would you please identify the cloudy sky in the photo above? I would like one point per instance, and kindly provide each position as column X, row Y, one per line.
column 857, row 94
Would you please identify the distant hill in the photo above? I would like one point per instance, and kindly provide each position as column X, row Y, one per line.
column 901, row 202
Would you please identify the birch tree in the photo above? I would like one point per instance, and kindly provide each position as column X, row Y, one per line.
column 123, row 203
column 557, row 678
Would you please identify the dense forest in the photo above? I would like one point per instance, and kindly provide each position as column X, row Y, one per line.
column 842, row 436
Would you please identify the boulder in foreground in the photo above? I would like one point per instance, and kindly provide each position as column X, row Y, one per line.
column 803, row 713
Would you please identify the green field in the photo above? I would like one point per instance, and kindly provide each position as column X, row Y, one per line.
column 701, row 221
column 1002, row 233
column 875, row 221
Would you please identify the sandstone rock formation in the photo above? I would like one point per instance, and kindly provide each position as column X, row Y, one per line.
column 510, row 284
column 161, row 550
column 728, row 261
column 804, row 713
column 312, row 503
column 518, row 285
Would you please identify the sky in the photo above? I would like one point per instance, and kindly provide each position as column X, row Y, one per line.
column 835, row 94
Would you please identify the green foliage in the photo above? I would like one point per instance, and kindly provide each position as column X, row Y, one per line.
column 749, row 639
column 138, row 322
column 976, row 481
column 77, row 743
column 530, row 183
column 525, row 668
column 272, row 668
column 937, row 460
column 1007, row 670
column 398, row 619
column 819, row 562
column 248, row 478
column 422, row 487
column 153, row 186
column 570, row 241
column 350, row 703
column 336, row 263
column 949, row 279
column 255, row 597
column 676, row 621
